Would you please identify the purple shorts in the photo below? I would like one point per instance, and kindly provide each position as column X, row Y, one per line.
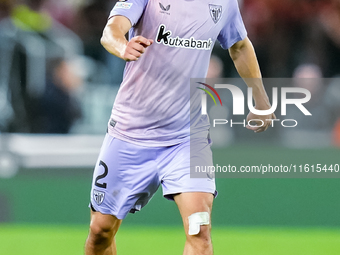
column 126, row 175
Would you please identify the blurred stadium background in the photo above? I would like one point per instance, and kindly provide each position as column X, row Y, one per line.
column 57, row 86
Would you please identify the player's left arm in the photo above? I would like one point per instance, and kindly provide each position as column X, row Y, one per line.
column 245, row 61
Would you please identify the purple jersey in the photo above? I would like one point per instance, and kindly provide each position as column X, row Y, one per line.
column 154, row 102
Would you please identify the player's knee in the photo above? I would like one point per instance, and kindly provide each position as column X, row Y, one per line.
column 100, row 233
column 204, row 233
column 199, row 229
column 202, row 239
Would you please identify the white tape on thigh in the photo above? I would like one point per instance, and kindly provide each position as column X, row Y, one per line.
column 196, row 220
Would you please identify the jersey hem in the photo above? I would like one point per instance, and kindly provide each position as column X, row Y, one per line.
column 149, row 143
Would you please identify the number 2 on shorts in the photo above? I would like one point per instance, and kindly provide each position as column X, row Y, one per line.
column 106, row 170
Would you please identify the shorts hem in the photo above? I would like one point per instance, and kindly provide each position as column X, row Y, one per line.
column 119, row 216
column 169, row 194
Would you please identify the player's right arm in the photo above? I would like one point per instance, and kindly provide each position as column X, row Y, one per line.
column 114, row 41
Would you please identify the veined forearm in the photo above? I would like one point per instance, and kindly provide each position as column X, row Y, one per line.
column 113, row 39
column 245, row 61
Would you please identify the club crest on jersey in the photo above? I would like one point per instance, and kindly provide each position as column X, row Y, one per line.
column 215, row 12
column 164, row 37
column 98, row 196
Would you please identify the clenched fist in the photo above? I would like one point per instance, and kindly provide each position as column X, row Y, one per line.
column 135, row 48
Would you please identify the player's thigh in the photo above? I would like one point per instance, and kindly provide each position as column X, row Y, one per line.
column 190, row 203
column 104, row 225
column 178, row 174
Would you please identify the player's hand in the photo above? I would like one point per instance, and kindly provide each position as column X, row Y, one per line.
column 259, row 126
column 135, row 48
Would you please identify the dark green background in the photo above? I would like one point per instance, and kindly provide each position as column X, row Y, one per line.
column 62, row 195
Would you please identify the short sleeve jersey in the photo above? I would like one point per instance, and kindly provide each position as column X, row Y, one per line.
column 154, row 105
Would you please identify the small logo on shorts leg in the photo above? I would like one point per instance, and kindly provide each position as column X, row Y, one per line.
column 98, row 196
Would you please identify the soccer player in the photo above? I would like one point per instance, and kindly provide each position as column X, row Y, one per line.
column 156, row 128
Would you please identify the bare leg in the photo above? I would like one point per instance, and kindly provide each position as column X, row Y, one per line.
column 101, row 238
column 188, row 204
